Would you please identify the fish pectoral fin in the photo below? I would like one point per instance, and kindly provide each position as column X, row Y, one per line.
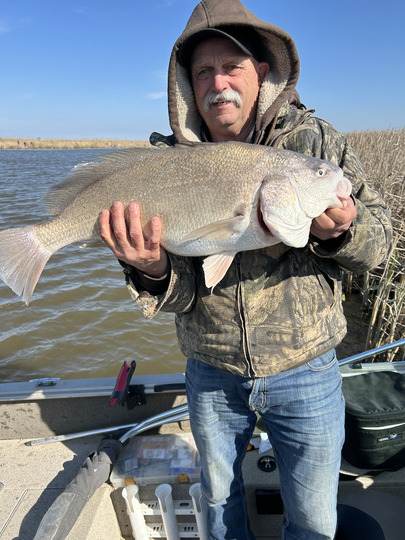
column 217, row 231
column 216, row 266
column 295, row 235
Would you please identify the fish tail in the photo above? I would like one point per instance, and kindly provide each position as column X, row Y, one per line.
column 22, row 259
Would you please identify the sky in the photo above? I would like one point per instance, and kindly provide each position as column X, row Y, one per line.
column 97, row 69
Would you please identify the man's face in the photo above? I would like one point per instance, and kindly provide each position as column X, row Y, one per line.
column 219, row 68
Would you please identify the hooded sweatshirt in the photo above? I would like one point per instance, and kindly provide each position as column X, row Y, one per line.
column 273, row 46
column 278, row 307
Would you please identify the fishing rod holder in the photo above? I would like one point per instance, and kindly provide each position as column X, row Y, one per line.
column 124, row 393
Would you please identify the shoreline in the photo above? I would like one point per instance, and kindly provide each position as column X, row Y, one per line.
column 38, row 143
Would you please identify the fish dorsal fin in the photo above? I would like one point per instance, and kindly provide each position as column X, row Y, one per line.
column 84, row 174
column 216, row 266
column 217, row 231
column 61, row 194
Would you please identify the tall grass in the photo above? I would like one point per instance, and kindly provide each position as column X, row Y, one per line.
column 383, row 289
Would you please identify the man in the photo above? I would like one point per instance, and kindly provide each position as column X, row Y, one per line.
column 263, row 340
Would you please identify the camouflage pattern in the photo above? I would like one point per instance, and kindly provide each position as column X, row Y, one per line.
column 277, row 307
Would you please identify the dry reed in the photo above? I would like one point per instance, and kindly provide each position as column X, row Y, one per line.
column 21, row 143
column 383, row 289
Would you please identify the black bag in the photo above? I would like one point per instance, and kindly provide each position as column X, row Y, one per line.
column 375, row 420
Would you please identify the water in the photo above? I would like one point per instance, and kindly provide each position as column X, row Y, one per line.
column 81, row 321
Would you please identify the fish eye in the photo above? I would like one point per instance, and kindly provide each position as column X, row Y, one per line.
column 320, row 172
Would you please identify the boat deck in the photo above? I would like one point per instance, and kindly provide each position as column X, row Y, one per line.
column 32, row 477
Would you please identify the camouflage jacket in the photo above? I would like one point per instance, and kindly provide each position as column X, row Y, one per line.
column 277, row 307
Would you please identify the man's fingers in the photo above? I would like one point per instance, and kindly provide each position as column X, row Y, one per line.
column 334, row 221
column 156, row 232
column 136, row 234
column 118, row 224
column 134, row 226
column 122, row 231
column 343, row 215
column 105, row 227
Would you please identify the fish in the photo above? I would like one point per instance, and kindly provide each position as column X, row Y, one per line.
column 214, row 200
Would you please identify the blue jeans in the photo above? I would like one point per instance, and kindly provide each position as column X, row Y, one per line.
column 303, row 410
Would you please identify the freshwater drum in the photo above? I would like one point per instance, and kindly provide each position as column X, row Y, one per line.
column 214, row 200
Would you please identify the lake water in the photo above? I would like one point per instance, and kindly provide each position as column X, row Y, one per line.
column 81, row 321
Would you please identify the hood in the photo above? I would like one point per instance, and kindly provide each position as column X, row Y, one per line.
column 272, row 44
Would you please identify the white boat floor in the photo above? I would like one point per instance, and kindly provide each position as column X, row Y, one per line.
column 34, row 476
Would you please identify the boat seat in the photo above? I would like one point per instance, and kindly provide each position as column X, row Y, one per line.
column 370, row 515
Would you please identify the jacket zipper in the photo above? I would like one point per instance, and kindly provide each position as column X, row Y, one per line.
column 245, row 340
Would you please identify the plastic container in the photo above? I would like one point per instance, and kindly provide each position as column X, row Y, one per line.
column 157, row 459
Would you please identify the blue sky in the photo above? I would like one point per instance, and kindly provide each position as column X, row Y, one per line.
column 97, row 68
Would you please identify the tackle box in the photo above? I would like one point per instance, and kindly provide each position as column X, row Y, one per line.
column 157, row 459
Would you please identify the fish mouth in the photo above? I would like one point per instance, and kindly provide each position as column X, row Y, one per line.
column 344, row 188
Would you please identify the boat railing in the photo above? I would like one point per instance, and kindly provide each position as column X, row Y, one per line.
column 180, row 413
column 372, row 352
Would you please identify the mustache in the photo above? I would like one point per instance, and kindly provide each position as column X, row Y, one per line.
column 226, row 96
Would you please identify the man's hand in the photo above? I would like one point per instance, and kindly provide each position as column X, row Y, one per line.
column 334, row 221
column 127, row 241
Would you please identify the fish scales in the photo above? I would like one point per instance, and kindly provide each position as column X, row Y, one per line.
column 213, row 199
